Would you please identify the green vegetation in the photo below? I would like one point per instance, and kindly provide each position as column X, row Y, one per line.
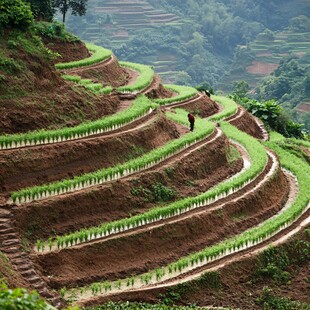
column 54, row 30
column 140, row 107
column 97, row 88
column 99, row 54
column 156, row 193
column 77, row 7
column 144, row 79
column 269, row 301
column 253, row 235
column 15, row 14
column 258, row 157
column 143, row 306
column 183, row 93
column 229, row 108
column 116, row 172
column 21, row 299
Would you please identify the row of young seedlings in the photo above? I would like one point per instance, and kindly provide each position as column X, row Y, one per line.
column 229, row 108
column 98, row 54
column 144, row 79
column 97, row 88
column 141, row 107
column 183, row 93
column 259, row 160
column 249, row 238
column 148, row 160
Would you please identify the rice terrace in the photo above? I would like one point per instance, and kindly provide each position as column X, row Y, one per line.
column 109, row 201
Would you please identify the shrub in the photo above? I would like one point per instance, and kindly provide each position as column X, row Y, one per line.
column 15, row 14
column 21, row 299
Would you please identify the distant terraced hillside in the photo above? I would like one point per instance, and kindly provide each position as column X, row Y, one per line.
column 121, row 17
column 264, row 55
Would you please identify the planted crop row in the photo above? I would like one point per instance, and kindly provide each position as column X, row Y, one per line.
column 203, row 129
column 248, row 239
column 140, row 107
column 99, row 54
column 229, row 108
column 183, row 93
column 97, row 88
column 143, row 81
column 258, row 158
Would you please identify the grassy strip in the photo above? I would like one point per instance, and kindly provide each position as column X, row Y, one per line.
column 247, row 239
column 183, row 93
column 258, row 155
column 259, row 160
column 38, row 192
column 229, row 107
column 97, row 88
column 140, row 107
column 144, row 80
column 99, row 54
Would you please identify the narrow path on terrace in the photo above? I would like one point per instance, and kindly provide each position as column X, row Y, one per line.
column 98, row 65
column 190, row 273
column 219, row 203
column 155, row 167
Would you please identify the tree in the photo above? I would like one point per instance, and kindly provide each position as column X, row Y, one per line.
column 15, row 14
column 42, row 9
column 78, row 7
column 241, row 88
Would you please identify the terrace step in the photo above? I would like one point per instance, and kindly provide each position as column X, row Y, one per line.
column 4, row 225
column 24, row 266
column 9, row 242
column 7, row 231
column 35, row 278
column 11, row 250
column 28, row 273
column 17, row 255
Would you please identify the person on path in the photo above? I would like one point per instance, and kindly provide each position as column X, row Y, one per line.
column 191, row 120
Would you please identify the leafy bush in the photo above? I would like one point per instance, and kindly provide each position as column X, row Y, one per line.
column 21, row 299
column 15, row 14
column 269, row 301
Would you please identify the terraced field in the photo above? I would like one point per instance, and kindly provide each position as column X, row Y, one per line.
column 268, row 54
column 136, row 202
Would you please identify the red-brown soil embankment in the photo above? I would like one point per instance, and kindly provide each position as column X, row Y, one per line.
column 235, row 285
column 43, row 164
column 108, row 72
column 247, row 123
column 189, row 175
column 121, row 257
column 201, row 105
column 36, row 97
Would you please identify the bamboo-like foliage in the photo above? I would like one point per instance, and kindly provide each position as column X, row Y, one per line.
column 99, row 54
column 97, row 88
column 140, row 107
column 229, row 108
column 203, row 129
column 245, row 240
column 258, row 162
column 183, row 93
column 143, row 81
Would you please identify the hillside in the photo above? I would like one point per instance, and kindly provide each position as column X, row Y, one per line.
column 125, row 203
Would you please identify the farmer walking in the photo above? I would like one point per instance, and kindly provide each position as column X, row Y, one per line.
column 191, row 120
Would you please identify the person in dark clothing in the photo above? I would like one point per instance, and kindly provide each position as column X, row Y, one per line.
column 191, row 120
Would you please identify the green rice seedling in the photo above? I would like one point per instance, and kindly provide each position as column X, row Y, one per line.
column 203, row 129
column 229, row 107
column 183, row 93
column 99, row 54
column 139, row 108
column 144, row 80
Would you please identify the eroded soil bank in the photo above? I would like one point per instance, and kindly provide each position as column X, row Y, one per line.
column 188, row 176
column 236, row 285
column 119, row 258
column 43, row 164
